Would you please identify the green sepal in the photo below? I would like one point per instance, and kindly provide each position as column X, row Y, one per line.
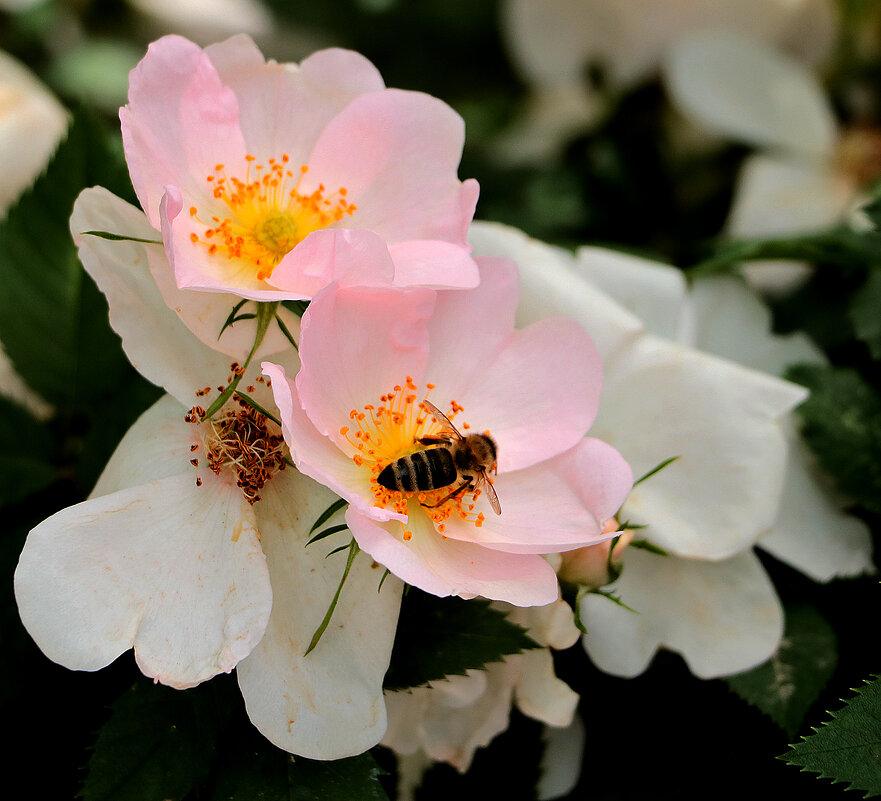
column 122, row 237
column 645, row 545
column 286, row 332
column 327, row 532
column 328, row 513
column 257, row 407
column 353, row 552
column 656, row 469
column 296, row 306
column 231, row 317
column 614, row 599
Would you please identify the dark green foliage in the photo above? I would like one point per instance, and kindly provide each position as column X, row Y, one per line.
column 440, row 637
column 53, row 319
column 847, row 748
column 26, row 452
column 158, row 744
column 786, row 685
column 842, row 424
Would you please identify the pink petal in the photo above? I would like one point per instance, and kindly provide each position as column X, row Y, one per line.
column 541, row 513
column 449, row 567
column 598, row 473
column 356, row 345
column 197, row 269
column 316, row 455
column 468, row 329
column 353, row 257
column 284, row 108
column 434, row 264
column 397, row 154
column 180, row 121
column 539, row 396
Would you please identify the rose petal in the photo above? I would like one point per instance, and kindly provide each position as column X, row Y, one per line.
column 722, row 420
column 397, row 153
column 750, row 92
column 172, row 569
column 433, row 264
column 550, row 286
column 155, row 340
column 327, row 704
column 722, row 617
column 179, row 122
column 449, row 567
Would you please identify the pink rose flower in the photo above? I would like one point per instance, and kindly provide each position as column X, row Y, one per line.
column 372, row 357
column 270, row 180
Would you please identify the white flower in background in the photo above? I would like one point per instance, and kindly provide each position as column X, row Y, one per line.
column 807, row 172
column 448, row 720
column 710, row 599
column 554, row 43
column 175, row 556
column 32, row 122
column 207, row 21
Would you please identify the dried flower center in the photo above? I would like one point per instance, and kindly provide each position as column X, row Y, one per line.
column 242, row 441
column 268, row 215
column 396, row 428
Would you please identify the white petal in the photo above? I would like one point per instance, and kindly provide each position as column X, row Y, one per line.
column 662, row 400
column 31, row 123
column 778, row 196
column 169, row 568
column 329, row 704
column 561, row 761
column 156, row 342
column 722, row 617
column 746, row 90
column 550, row 286
column 811, row 533
column 652, row 291
column 539, row 693
column 731, row 322
column 156, row 446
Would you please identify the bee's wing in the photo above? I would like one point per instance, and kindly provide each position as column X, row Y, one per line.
column 441, row 418
column 490, row 492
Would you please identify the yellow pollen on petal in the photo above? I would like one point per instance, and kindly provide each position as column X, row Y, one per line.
column 384, row 432
column 267, row 214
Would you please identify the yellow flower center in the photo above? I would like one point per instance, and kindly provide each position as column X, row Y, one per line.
column 393, row 429
column 268, row 214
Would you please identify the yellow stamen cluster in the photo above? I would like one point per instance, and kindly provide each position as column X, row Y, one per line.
column 268, row 214
column 382, row 433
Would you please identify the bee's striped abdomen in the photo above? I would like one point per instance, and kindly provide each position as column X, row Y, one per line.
column 423, row 470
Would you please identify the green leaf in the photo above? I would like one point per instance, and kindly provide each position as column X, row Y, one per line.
column 340, row 780
column 353, row 552
column 296, row 306
column 158, row 744
column 328, row 513
column 327, row 532
column 865, row 313
column 122, row 238
column 848, row 747
column 439, row 637
column 842, row 425
column 656, row 469
column 265, row 773
column 26, row 451
column 787, row 684
column 53, row 319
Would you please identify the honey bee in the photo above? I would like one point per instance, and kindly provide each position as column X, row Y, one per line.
column 450, row 459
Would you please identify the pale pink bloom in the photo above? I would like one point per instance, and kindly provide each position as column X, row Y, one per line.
column 271, row 180
column 370, row 357
column 448, row 720
column 171, row 559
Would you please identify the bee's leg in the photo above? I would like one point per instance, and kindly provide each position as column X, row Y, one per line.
column 434, row 440
column 464, row 487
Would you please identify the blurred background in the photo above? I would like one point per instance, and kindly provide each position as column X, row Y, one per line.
column 581, row 129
